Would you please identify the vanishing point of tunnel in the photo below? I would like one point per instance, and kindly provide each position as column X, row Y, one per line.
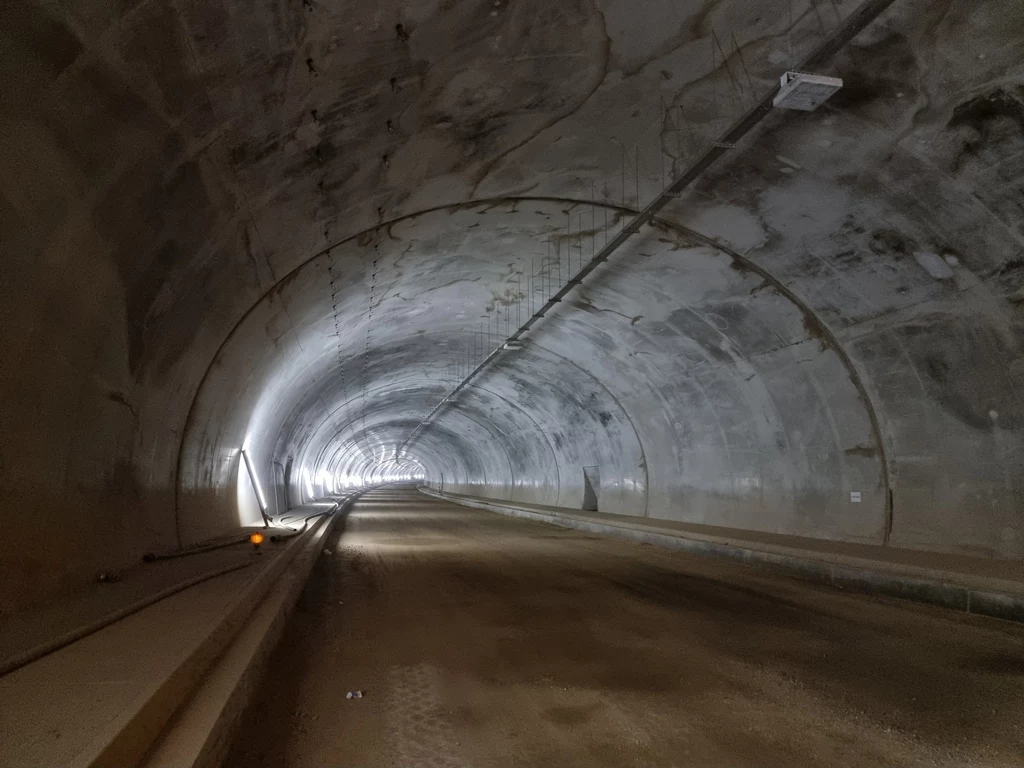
column 511, row 383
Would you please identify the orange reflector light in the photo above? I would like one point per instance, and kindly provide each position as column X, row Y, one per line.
column 256, row 539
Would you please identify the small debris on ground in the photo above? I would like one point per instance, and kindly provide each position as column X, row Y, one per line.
column 328, row 552
column 354, row 695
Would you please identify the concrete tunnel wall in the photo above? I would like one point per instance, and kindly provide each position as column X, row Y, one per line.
column 707, row 402
column 194, row 196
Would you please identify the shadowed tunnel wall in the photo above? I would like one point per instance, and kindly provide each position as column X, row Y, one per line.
column 277, row 228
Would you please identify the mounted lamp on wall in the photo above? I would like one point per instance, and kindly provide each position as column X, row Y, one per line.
column 256, row 487
column 805, row 92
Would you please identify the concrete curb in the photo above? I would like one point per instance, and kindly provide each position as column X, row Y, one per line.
column 201, row 731
column 960, row 592
column 129, row 737
column 19, row 660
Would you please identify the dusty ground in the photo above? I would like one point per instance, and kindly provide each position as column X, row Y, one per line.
column 481, row 640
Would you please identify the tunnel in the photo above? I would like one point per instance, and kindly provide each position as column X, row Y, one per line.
column 570, row 314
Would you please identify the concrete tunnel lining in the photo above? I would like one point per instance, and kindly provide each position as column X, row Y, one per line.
column 166, row 218
column 505, row 403
column 527, row 387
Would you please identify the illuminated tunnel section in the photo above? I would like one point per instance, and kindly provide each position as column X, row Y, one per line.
column 676, row 355
column 217, row 245
column 682, row 380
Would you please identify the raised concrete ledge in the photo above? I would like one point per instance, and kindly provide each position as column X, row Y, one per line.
column 950, row 588
column 129, row 737
column 200, row 733
column 34, row 648
column 58, row 711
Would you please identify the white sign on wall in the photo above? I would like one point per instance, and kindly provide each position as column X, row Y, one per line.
column 855, row 497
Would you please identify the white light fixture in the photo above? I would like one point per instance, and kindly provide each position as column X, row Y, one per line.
column 805, row 92
column 256, row 486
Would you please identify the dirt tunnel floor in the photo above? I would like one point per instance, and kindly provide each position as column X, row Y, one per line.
column 481, row 640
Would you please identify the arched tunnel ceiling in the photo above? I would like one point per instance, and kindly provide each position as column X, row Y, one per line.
column 203, row 201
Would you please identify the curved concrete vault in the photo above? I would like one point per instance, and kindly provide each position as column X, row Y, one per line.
column 280, row 227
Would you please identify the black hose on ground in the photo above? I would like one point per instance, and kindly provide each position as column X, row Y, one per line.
column 151, row 557
column 278, row 537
